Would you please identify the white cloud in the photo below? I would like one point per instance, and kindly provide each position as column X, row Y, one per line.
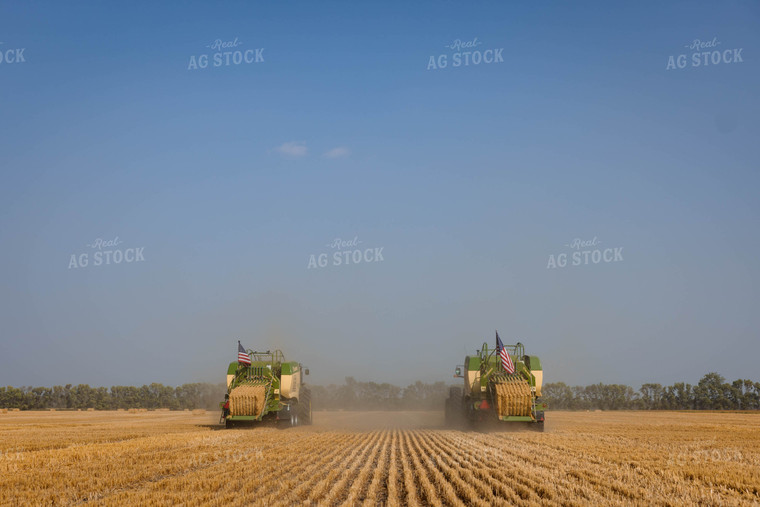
column 339, row 152
column 293, row 149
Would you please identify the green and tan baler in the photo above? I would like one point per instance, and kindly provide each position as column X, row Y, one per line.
column 491, row 394
column 270, row 389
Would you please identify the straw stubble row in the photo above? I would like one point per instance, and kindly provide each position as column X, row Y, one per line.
column 623, row 462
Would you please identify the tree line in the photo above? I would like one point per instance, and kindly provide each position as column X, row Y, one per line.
column 82, row 396
column 356, row 395
column 352, row 395
column 711, row 393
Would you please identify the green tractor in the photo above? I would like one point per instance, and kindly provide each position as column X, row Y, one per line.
column 270, row 389
column 491, row 394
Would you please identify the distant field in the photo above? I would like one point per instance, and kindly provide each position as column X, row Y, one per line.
column 166, row 458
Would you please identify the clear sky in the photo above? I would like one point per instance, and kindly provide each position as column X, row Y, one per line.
column 468, row 178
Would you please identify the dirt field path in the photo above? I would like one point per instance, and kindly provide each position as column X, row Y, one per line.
column 353, row 458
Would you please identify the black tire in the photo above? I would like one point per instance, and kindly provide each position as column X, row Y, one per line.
column 305, row 404
column 454, row 410
column 228, row 424
column 307, row 419
column 295, row 410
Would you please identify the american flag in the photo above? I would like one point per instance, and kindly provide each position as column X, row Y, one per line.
column 243, row 356
column 506, row 361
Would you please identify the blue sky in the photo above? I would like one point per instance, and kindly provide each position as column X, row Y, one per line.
column 469, row 178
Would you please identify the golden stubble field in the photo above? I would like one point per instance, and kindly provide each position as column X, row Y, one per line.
column 408, row 458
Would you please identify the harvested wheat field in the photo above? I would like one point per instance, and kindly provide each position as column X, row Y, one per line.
column 166, row 458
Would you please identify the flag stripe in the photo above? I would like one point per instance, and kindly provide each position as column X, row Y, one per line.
column 243, row 356
column 506, row 361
